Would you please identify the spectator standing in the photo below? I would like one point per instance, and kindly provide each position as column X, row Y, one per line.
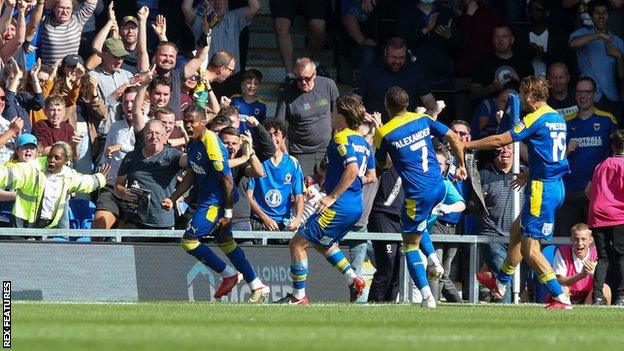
column 248, row 103
column 546, row 41
column 393, row 70
column 55, row 128
column 284, row 13
column 154, row 169
column 307, row 106
column 60, row 33
column 588, row 144
column 496, row 181
column 599, row 56
column 119, row 142
column 9, row 131
column 23, row 94
column 561, row 96
column 225, row 32
column 427, row 28
column 499, row 67
column 606, row 218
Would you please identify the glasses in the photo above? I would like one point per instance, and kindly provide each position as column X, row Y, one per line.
column 2, row 97
column 229, row 69
column 302, row 79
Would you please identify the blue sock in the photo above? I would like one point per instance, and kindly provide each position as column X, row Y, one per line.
column 203, row 253
column 426, row 245
column 338, row 260
column 416, row 266
column 505, row 272
column 238, row 259
column 299, row 273
column 552, row 284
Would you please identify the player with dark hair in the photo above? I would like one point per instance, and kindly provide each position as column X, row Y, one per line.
column 407, row 138
column 208, row 162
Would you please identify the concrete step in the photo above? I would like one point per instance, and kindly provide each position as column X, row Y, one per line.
column 264, row 23
column 275, row 73
column 267, row 40
column 266, row 56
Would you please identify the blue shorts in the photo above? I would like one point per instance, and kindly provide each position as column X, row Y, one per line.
column 329, row 227
column 204, row 222
column 417, row 210
column 541, row 201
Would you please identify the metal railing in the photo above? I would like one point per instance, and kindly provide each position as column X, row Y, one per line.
column 472, row 241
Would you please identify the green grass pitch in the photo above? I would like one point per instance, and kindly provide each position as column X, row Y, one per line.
column 210, row 326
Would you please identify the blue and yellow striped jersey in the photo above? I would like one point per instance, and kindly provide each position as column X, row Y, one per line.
column 594, row 145
column 208, row 158
column 407, row 138
column 544, row 132
column 345, row 148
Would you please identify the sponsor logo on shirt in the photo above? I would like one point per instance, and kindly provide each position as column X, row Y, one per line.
column 589, row 141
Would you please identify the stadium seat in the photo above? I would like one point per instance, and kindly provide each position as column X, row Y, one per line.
column 83, row 211
column 540, row 289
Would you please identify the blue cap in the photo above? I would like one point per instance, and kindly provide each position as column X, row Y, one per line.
column 25, row 139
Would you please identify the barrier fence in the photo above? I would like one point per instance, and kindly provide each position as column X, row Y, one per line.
column 472, row 241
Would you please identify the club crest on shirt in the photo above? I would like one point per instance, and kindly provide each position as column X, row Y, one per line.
column 596, row 126
column 306, row 106
column 547, row 228
column 256, row 111
column 287, row 178
column 342, row 150
column 273, row 198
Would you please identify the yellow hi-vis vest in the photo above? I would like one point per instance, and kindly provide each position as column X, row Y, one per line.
column 28, row 179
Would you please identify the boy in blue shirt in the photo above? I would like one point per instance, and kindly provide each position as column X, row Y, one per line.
column 248, row 103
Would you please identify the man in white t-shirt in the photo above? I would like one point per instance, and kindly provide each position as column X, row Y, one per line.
column 574, row 266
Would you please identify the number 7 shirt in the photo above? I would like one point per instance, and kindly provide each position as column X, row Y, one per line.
column 407, row 138
column 544, row 132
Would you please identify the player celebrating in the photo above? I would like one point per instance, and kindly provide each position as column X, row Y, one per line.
column 350, row 166
column 544, row 132
column 210, row 173
column 407, row 138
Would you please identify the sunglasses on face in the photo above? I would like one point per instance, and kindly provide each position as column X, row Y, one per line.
column 302, row 79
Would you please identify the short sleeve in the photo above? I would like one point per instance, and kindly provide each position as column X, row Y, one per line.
column 559, row 265
column 251, row 184
column 438, row 129
column 370, row 163
column 452, row 194
column 217, row 158
column 297, row 180
column 345, row 153
column 577, row 33
column 525, row 128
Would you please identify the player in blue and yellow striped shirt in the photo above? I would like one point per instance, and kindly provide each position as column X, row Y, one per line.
column 350, row 166
column 210, row 173
column 544, row 132
column 407, row 138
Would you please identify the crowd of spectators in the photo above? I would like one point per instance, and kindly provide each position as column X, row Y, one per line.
column 93, row 94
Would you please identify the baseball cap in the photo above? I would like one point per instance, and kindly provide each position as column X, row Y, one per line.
column 25, row 139
column 72, row 60
column 115, row 46
column 127, row 19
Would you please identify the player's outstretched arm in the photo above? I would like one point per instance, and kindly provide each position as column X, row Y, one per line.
column 457, row 147
column 185, row 184
column 491, row 142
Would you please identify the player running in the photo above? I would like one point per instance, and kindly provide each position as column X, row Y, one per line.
column 350, row 166
column 210, row 173
column 407, row 138
column 544, row 132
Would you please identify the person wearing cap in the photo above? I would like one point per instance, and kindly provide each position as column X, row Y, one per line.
column 27, row 149
column 128, row 33
column 112, row 80
column 60, row 33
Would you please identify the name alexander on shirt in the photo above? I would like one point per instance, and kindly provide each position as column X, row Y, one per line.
column 410, row 139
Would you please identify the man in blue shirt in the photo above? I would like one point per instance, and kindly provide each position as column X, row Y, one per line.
column 210, row 173
column 407, row 137
column 270, row 195
column 544, row 132
column 589, row 135
column 350, row 166
column 599, row 54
